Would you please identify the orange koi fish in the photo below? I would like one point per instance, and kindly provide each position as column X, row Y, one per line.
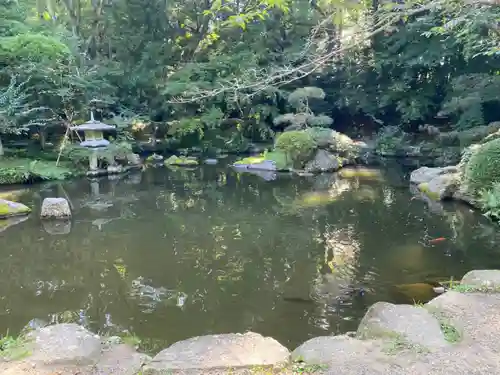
column 437, row 240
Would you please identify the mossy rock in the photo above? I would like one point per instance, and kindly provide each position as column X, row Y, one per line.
column 298, row 146
column 482, row 170
column 9, row 209
column 182, row 161
column 424, row 188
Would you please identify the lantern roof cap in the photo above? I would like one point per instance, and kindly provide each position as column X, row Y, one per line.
column 92, row 124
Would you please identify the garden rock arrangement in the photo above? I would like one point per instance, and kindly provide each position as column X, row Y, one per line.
column 311, row 150
column 456, row 333
column 474, row 180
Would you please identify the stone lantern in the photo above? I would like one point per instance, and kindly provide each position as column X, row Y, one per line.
column 93, row 138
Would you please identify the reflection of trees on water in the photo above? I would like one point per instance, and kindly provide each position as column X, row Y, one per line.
column 208, row 250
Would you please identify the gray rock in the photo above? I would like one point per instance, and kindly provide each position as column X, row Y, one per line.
column 474, row 315
column 320, row 350
column 9, row 209
column 205, row 353
column 342, row 355
column 441, row 183
column 55, row 208
column 426, row 174
column 444, row 186
column 482, row 278
column 211, row 161
column 323, row 161
column 64, row 344
column 414, row 324
column 120, row 360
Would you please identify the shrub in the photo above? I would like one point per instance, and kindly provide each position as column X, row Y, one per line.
column 297, row 146
column 482, row 170
column 489, row 201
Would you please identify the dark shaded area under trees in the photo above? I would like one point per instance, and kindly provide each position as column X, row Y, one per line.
column 216, row 74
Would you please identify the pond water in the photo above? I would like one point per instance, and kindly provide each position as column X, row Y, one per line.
column 171, row 254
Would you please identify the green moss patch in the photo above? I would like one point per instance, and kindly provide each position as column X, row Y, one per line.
column 181, row 161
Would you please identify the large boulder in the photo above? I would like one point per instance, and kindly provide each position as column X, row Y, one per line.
column 482, row 279
column 218, row 352
column 120, row 359
column 437, row 183
column 55, row 208
column 324, row 161
column 9, row 209
column 64, row 344
column 412, row 324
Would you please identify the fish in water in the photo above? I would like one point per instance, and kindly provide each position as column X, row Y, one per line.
column 437, row 240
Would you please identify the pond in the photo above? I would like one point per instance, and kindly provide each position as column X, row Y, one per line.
column 170, row 254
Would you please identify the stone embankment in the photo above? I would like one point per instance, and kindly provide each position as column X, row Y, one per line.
column 457, row 333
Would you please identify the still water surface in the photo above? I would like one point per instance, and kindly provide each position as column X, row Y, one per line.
column 167, row 255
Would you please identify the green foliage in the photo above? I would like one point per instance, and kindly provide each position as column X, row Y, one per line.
column 21, row 171
column 482, row 170
column 32, row 48
column 13, row 348
column 389, row 140
column 489, row 201
column 296, row 145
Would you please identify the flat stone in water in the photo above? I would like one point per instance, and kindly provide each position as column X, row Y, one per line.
column 55, row 208
column 414, row 324
column 205, row 353
column 64, row 344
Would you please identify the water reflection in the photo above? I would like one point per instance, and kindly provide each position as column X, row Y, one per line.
column 170, row 254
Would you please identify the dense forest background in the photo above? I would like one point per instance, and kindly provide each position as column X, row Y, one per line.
column 225, row 72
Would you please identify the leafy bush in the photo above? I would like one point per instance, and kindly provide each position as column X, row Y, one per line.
column 489, row 201
column 389, row 139
column 22, row 171
column 297, row 146
column 482, row 170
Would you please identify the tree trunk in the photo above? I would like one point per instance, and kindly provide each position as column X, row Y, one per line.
column 1, row 147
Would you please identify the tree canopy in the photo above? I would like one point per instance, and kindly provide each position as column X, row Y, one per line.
column 218, row 69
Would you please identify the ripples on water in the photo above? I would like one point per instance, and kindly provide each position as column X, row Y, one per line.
column 167, row 255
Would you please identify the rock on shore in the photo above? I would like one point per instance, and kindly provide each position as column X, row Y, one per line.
column 454, row 334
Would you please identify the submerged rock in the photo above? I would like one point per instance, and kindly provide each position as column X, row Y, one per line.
column 182, row 161
column 55, row 208
column 215, row 352
column 415, row 293
column 359, row 172
column 9, row 209
column 11, row 221
column 57, row 227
